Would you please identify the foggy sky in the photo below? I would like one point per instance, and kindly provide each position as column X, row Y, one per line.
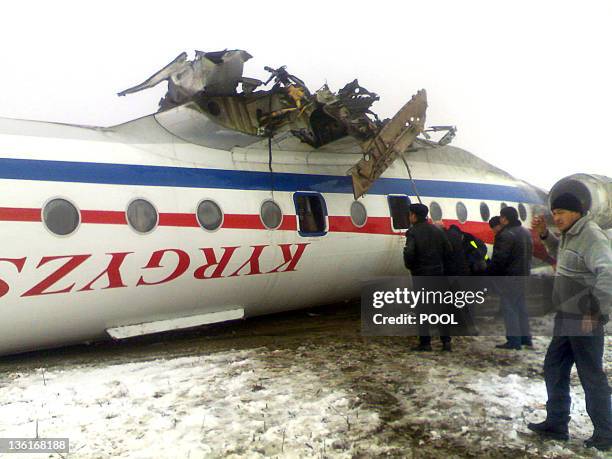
column 527, row 83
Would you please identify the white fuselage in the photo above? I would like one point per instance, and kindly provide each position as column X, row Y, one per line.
column 57, row 290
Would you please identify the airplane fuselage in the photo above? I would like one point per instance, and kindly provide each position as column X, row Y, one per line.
column 57, row 289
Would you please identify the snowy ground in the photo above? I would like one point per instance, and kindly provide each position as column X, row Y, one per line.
column 229, row 403
column 327, row 392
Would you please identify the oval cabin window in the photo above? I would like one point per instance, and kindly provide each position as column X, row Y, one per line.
column 271, row 214
column 462, row 213
column 485, row 213
column 435, row 211
column 522, row 212
column 61, row 217
column 359, row 214
column 142, row 216
column 209, row 215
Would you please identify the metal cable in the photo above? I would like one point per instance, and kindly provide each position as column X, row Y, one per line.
column 414, row 187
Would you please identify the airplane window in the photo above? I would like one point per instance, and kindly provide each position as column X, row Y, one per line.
column 142, row 216
column 271, row 214
column 61, row 217
column 359, row 214
column 485, row 213
column 209, row 215
column 311, row 212
column 522, row 212
column 462, row 213
column 502, row 205
column 399, row 206
column 435, row 211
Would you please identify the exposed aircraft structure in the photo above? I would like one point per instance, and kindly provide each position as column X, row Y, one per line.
column 210, row 82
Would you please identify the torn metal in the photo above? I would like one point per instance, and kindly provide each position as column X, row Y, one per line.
column 211, row 81
column 389, row 143
column 216, row 73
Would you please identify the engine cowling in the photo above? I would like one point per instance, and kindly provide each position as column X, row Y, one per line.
column 594, row 192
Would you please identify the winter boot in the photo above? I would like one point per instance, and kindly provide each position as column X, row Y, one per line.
column 601, row 443
column 554, row 430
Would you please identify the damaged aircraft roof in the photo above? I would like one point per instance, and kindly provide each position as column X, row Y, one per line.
column 211, row 83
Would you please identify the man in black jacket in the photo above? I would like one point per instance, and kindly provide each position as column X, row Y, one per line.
column 460, row 268
column 512, row 252
column 426, row 252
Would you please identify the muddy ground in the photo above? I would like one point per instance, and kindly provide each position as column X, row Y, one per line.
column 382, row 373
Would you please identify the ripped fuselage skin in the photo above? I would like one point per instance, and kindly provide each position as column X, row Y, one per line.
column 210, row 82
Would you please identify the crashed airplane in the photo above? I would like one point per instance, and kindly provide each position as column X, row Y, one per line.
column 231, row 201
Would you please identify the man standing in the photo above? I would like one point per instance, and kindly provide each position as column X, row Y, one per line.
column 462, row 266
column 512, row 252
column 427, row 250
column 582, row 292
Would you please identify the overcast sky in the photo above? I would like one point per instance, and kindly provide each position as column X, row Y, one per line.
column 527, row 83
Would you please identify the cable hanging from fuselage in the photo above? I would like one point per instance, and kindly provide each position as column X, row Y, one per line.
column 414, row 187
column 270, row 135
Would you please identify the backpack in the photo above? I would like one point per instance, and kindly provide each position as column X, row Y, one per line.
column 475, row 253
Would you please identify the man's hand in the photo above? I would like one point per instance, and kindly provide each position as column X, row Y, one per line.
column 589, row 323
column 539, row 224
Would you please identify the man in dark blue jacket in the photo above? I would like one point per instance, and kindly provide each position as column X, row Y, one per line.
column 512, row 252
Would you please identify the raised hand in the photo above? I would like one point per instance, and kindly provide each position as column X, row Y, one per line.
column 539, row 224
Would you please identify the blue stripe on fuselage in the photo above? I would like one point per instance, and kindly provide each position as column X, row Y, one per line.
column 130, row 174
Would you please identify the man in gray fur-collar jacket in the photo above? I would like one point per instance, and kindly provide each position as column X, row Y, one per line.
column 582, row 293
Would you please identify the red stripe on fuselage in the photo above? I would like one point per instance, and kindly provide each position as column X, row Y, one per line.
column 106, row 217
column 337, row 223
column 182, row 220
column 373, row 225
column 10, row 214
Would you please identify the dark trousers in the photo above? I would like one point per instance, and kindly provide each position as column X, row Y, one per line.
column 514, row 308
column 445, row 330
column 432, row 284
column 587, row 353
column 426, row 339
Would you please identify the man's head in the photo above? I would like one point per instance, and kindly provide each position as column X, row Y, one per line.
column 495, row 224
column 567, row 210
column 508, row 215
column 417, row 213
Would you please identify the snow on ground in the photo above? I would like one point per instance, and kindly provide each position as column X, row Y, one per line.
column 349, row 397
column 222, row 404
